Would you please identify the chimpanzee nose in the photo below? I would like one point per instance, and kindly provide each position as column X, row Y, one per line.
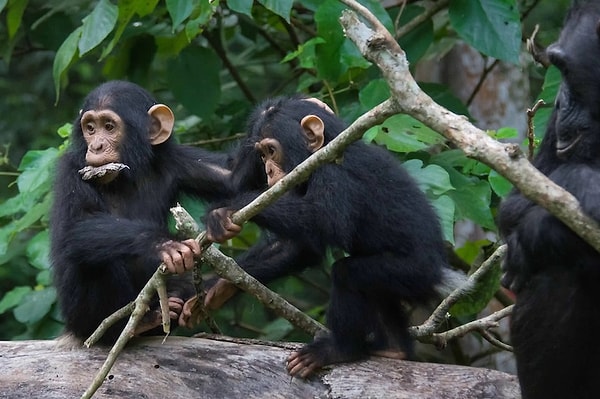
column 96, row 146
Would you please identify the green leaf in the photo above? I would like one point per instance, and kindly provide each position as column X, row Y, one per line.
column 328, row 54
column 379, row 11
column 279, row 7
column 97, row 25
column 472, row 198
column 38, row 250
column 3, row 4
column 13, row 205
column 63, row 58
column 203, row 14
column 37, row 167
column 305, row 53
column 432, row 179
column 241, row 6
column 14, row 16
column 491, row 26
column 499, row 184
column 445, row 209
column 44, row 278
column 35, row 305
column 403, row 133
column 435, row 182
column 127, row 9
column 179, row 10
column 552, row 82
column 13, row 297
column 505, row 133
column 65, row 130
column 37, row 212
column 480, row 296
column 196, row 70
column 374, row 93
column 6, row 233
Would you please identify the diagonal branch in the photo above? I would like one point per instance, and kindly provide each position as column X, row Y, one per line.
column 378, row 46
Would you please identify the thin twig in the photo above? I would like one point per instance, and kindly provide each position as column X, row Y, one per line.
column 481, row 325
column 429, row 12
column 439, row 314
column 530, row 128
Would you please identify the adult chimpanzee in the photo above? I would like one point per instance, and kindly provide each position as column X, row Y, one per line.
column 109, row 224
column 554, row 273
column 366, row 205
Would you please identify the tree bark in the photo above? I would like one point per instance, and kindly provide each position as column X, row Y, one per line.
column 206, row 368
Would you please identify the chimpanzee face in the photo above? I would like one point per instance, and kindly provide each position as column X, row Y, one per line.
column 577, row 56
column 271, row 154
column 103, row 132
column 107, row 139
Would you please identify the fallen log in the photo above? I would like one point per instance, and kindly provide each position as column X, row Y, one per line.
column 208, row 368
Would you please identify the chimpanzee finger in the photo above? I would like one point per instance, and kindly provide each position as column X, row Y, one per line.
column 193, row 245
column 175, row 307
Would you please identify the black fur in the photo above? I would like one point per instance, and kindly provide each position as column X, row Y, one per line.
column 553, row 272
column 104, row 237
column 365, row 205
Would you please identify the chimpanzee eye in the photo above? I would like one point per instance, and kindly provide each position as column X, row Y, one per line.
column 271, row 149
column 109, row 126
column 89, row 128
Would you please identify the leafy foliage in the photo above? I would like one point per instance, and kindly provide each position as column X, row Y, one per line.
column 212, row 60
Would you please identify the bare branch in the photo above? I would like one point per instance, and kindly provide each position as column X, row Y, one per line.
column 530, row 128
column 482, row 325
column 439, row 314
column 378, row 46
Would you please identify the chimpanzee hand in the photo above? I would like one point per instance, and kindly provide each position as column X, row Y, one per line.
column 179, row 256
column 219, row 293
column 153, row 318
column 219, row 227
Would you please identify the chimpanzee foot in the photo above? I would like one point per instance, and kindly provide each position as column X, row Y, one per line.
column 391, row 354
column 311, row 357
column 303, row 364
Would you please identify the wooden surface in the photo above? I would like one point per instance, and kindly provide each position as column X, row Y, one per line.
column 204, row 368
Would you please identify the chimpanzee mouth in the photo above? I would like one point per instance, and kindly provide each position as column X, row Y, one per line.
column 563, row 147
column 95, row 172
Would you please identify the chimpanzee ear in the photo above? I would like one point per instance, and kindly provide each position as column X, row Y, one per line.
column 162, row 123
column 314, row 130
column 320, row 104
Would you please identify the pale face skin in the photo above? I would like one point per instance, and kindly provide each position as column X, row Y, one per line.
column 103, row 132
column 271, row 154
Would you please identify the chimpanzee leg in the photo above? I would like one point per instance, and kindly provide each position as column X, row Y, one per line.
column 350, row 319
column 365, row 312
column 390, row 337
column 556, row 344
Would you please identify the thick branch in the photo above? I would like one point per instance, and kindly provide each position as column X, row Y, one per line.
column 378, row 46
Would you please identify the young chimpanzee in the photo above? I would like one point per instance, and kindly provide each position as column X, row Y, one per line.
column 554, row 273
column 112, row 194
column 366, row 205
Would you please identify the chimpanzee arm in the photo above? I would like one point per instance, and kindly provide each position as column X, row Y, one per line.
column 108, row 236
column 272, row 258
column 82, row 229
column 202, row 173
column 319, row 214
column 544, row 240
